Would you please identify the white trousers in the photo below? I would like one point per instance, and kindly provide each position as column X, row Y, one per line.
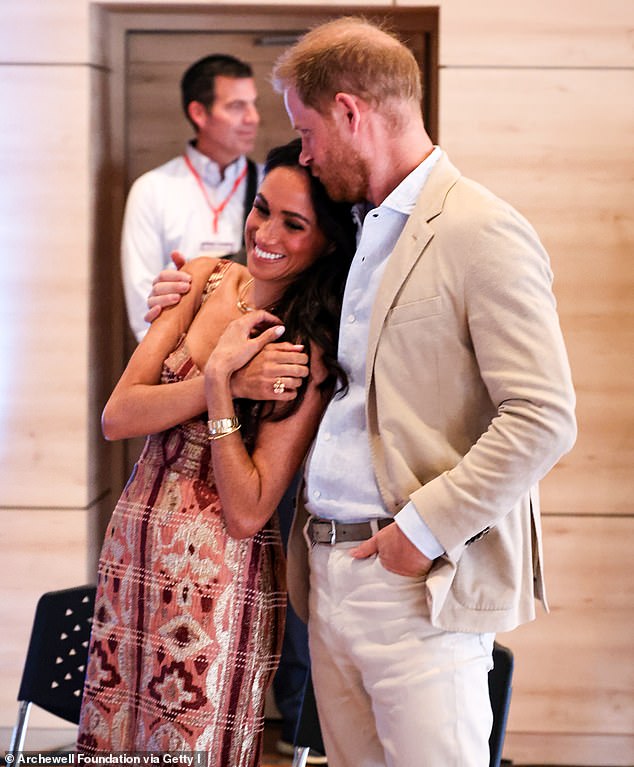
column 392, row 690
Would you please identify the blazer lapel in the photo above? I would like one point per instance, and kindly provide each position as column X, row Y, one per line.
column 409, row 247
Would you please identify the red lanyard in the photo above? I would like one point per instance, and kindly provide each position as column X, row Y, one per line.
column 215, row 210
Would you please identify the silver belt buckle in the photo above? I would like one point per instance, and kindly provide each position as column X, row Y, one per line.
column 333, row 532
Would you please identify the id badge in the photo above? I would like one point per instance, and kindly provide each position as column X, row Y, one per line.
column 217, row 249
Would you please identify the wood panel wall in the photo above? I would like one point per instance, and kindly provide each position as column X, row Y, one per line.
column 533, row 105
column 535, row 102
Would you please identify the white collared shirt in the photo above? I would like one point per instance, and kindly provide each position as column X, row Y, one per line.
column 340, row 481
column 166, row 210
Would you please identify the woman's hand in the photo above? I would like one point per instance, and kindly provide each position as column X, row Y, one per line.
column 281, row 362
column 237, row 345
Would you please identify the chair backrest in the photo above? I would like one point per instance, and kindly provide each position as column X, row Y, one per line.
column 55, row 665
column 500, row 685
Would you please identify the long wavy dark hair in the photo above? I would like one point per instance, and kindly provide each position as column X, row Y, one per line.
column 310, row 308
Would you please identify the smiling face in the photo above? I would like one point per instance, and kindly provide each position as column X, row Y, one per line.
column 282, row 235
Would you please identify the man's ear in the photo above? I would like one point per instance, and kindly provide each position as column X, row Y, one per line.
column 348, row 107
column 197, row 112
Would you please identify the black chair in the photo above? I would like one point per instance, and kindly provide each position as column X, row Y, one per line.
column 500, row 686
column 308, row 734
column 55, row 665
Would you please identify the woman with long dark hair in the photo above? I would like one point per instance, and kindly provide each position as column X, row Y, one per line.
column 191, row 595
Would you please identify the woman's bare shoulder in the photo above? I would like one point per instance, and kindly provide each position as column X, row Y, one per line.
column 204, row 266
column 201, row 267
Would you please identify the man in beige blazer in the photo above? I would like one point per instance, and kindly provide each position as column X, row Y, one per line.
column 459, row 401
column 417, row 535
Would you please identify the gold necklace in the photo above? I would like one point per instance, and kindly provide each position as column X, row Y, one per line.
column 240, row 302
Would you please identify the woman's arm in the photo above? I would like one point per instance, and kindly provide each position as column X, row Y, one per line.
column 251, row 486
column 140, row 404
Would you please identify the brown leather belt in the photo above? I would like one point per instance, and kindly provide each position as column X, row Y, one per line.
column 330, row 532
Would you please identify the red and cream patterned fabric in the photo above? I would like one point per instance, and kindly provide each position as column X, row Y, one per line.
column 188, row 621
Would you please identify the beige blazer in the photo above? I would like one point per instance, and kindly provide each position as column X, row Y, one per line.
column 469, row 400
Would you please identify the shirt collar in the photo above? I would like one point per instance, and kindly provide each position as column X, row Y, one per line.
column 209, row 170
column 403, row 198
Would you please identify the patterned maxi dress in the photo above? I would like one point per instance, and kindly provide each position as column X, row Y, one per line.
column 188, row 621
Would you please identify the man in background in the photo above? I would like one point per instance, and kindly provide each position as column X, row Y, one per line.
column 197, row 202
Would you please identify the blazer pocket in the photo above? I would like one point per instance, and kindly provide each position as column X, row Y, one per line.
column 414, row 310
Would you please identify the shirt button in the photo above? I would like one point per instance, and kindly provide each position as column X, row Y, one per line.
column 351, row 318
column 316, row 494
column 326, row 436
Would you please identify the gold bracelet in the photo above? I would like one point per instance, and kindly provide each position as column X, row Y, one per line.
column 221, row 427
column 220, row 435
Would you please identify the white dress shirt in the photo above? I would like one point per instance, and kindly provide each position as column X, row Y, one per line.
column 340, row 481
column 167, row 210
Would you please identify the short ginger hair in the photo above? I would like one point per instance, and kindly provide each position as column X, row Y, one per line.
column 350, row 55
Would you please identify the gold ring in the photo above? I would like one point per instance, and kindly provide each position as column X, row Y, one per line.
column 278, row 386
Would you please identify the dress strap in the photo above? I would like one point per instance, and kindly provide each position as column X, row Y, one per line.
column 215, row 278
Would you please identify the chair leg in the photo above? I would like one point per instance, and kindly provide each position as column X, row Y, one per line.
column 300, row 757
column 19, row 731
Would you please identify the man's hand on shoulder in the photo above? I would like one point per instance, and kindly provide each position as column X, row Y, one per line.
column 168, row 288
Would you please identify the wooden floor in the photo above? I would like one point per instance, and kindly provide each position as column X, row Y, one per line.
column 271, row 758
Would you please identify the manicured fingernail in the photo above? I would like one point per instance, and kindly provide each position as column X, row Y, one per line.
column 279, row 330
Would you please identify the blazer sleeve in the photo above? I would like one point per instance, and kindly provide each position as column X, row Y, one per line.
column 514, row 332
